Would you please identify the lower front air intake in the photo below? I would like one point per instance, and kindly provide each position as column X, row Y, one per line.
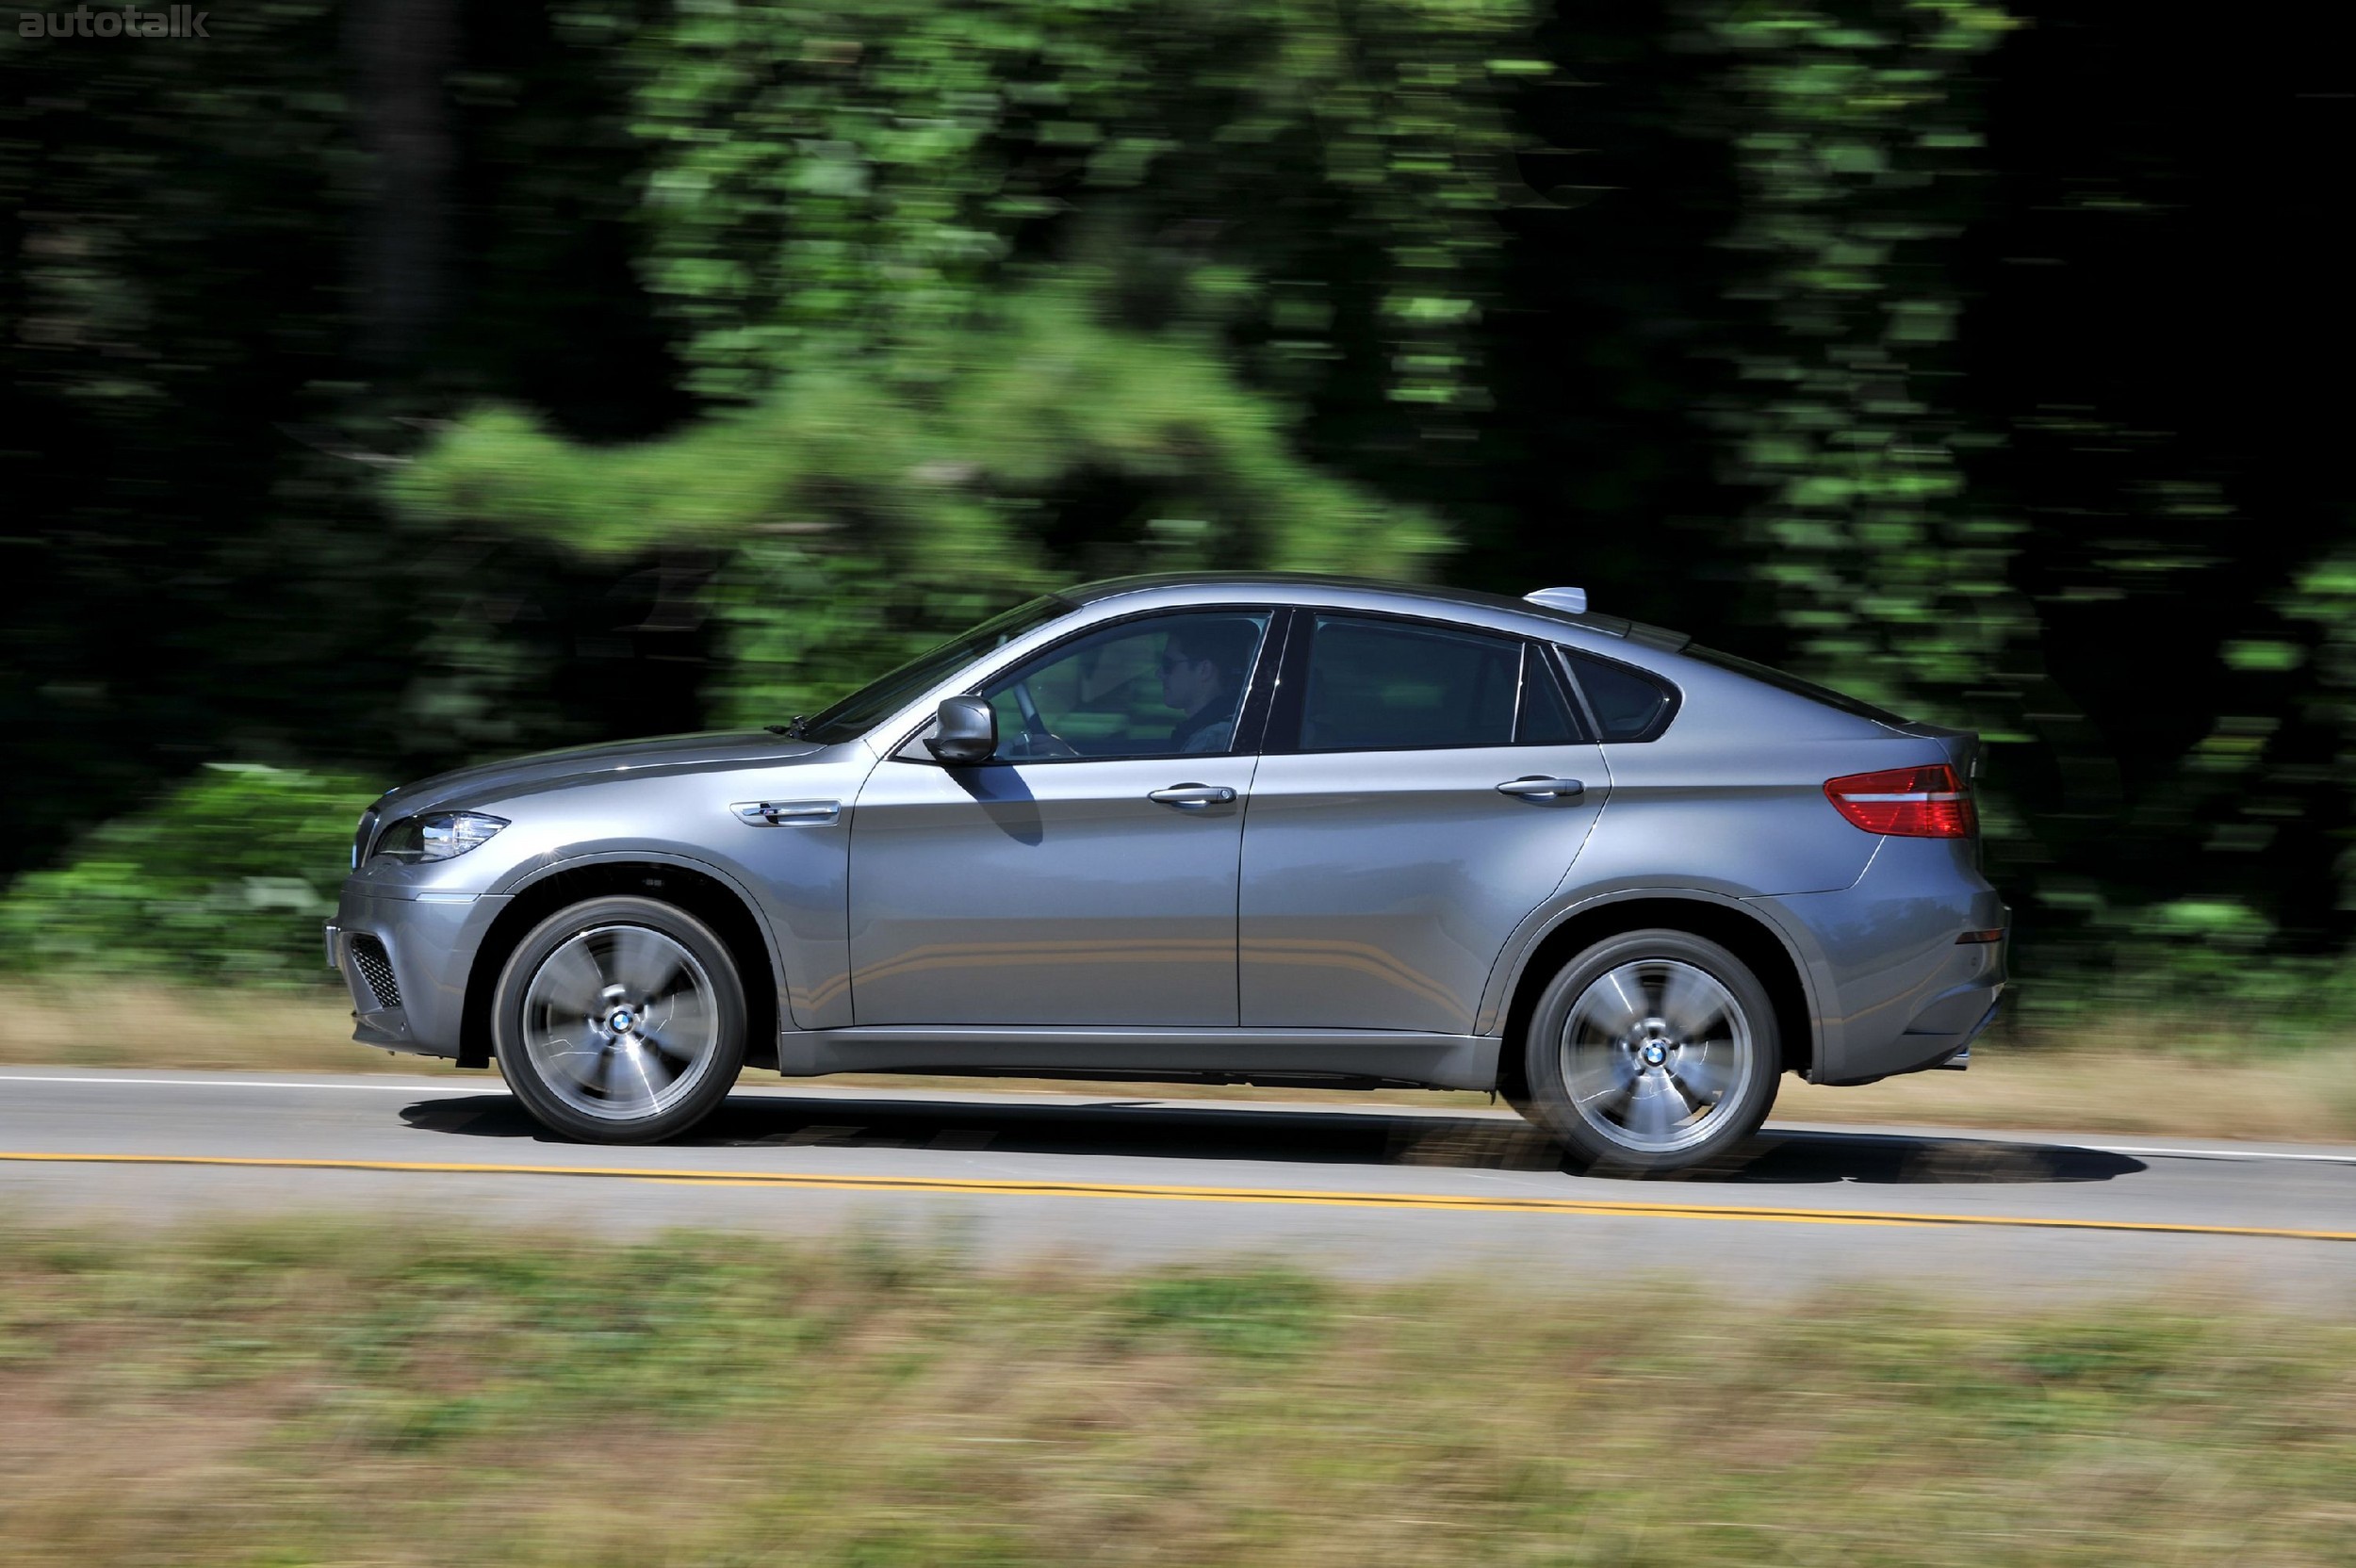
column 376, row 971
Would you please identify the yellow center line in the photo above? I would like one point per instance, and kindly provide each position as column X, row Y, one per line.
column 1309, row 1197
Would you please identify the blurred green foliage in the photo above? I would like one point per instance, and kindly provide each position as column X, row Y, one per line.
column 390, row 383
column 862, row 516
column 1858, row 146
column 944, row 265
column 227, row 878
column 872, row 180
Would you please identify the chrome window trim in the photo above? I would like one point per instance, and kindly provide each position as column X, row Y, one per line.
column 1403, row 602
column 1305, row 637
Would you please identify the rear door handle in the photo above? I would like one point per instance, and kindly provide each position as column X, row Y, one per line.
column 1537, row 788
column 1193, row 797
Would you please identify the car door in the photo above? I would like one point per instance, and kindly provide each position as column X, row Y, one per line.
column 1086, row 875
column 1422, row 788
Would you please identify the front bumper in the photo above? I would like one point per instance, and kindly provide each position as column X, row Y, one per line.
column 406, row 962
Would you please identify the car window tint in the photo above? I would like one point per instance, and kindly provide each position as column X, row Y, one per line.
column 1545, row 719
column 1167, row 685
column 1388, row 686
column 1628, row 704
column 863, row 709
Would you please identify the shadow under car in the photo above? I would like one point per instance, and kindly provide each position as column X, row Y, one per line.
column 1210, row 1131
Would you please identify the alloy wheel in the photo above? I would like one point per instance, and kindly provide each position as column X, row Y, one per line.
column 620, row 1022
column 1655, row 1055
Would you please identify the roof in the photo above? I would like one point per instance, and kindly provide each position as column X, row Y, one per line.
column 1612, row 626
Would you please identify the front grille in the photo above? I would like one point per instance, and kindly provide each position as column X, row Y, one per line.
column 376, row 968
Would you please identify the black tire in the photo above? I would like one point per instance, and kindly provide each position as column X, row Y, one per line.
column 533, row 1032
column 1641, row 977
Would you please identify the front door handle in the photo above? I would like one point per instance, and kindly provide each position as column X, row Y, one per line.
column 1538, row 788
column 782, row 813
column 1193, row 797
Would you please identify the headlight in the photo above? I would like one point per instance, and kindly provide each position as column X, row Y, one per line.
column 438, row 836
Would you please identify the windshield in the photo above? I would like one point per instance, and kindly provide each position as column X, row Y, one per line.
column 860, row 712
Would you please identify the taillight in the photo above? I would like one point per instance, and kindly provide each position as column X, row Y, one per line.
column 1925, row 801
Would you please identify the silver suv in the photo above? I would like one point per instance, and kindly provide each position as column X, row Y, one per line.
column 1259, row 828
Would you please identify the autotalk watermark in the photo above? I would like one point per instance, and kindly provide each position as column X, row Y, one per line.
column 128, row 21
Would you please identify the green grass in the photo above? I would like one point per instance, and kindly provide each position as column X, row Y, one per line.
column 313, row 1395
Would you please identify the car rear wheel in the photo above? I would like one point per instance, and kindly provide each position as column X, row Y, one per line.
column 1652, row 1051
column 619, row 1021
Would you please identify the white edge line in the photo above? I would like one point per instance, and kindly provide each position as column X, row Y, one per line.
column 833, row 1092
column 2029, row 1134
column 224, row 1083
column 2215, row 1154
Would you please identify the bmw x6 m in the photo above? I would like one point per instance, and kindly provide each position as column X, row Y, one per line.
column 1253, row 829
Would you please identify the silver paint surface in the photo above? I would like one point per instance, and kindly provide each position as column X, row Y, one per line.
column 1379, row 887
column 1045, row 893
column 1367, row 913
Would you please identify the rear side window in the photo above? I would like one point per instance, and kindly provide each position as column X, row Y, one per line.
column 1627, row 703
column 1395, row 686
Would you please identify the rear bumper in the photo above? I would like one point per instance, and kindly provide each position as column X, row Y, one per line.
column 1894, row 990
column 1961, row 1059
column 406, row 962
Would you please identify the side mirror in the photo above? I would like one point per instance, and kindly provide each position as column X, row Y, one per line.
column 967, row 733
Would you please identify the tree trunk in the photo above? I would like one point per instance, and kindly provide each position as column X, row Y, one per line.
column 402, row 51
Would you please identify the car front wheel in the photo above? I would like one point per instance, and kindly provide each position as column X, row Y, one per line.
column 619, row 1021
column 1652, row 1051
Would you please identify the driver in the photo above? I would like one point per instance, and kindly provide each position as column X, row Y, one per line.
column 1203, row 675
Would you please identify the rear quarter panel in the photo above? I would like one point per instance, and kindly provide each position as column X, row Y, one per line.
column 1731, row 799
column 1729, row 806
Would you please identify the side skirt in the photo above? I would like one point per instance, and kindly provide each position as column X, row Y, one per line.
column 1255, row 1056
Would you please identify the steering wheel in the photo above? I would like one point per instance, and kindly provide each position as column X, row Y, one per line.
column 1038, row 742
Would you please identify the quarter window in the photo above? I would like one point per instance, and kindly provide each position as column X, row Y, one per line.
column 1628, row 704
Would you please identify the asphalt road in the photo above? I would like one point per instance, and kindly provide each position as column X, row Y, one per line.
column 1376, row 1190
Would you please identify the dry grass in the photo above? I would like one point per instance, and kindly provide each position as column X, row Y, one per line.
column 2192, row 1085
column 305, row 1394
column 2290, row 1094
column 85, row 1022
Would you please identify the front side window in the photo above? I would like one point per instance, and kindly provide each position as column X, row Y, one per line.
column 1161, row 686
column 1376, row 685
